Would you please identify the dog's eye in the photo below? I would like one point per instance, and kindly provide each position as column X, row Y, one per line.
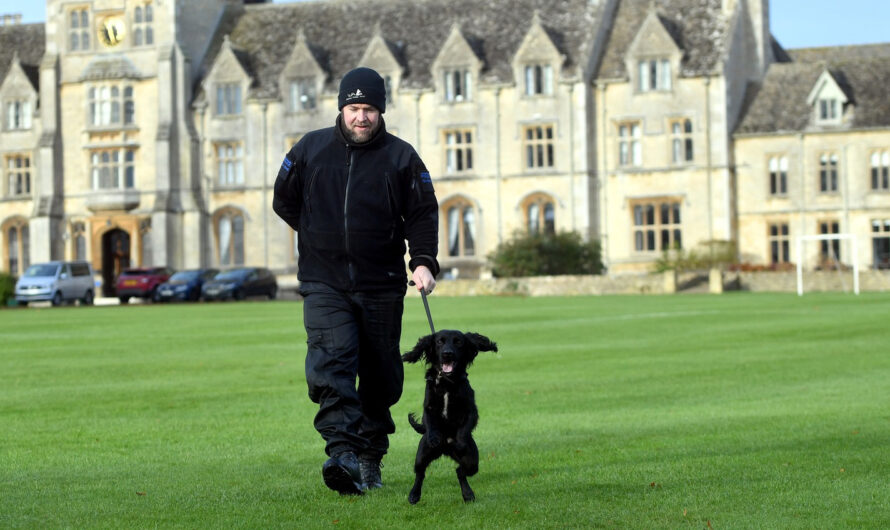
column 440, row 341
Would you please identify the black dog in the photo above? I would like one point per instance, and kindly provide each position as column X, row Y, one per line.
column 449, row 405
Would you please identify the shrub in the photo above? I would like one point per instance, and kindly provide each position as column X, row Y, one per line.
column 7, row 288
column 546, row 255
column 706, row 255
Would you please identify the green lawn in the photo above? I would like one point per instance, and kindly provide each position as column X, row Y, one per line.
column 735, row 411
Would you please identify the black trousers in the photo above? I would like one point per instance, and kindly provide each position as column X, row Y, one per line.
column 353, row 336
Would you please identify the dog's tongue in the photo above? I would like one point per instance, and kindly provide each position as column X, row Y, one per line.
column 447, row 368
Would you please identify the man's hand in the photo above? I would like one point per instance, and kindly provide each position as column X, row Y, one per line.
column 423, row 279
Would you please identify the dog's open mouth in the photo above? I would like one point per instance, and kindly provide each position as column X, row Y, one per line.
column 447, row 368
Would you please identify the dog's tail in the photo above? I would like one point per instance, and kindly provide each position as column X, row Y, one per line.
column 414, row 423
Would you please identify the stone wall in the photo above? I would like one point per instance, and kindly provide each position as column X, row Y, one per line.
column 814, row 281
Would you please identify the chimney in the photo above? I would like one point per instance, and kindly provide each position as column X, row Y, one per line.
column 13, row 19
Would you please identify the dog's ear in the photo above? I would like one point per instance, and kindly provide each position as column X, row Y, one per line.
column 481, row 342
column 421, row 350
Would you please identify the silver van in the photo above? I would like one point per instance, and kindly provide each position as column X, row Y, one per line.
column 56, row 281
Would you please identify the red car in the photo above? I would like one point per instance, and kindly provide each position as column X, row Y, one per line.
column 141, row 283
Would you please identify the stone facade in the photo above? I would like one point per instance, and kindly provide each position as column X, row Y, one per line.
column 151, row 132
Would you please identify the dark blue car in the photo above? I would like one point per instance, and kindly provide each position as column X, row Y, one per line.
column 185, row 285
column 238, row 284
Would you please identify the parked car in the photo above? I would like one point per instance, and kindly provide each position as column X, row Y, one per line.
column 239, row 284
column 185, row 285
column 141, row 283
column 56, row 281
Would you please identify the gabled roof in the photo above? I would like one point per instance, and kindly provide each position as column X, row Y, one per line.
column 698, row 27
column 862, row 72
column 29, row 42
column 417, row 30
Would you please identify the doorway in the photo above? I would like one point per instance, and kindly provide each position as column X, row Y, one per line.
column 115, row 258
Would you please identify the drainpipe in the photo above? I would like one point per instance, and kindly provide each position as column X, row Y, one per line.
column 265, row 156
column 803, row 188
column 708, row 161
column 572, row 154
column 604, row 179
column 497, row 159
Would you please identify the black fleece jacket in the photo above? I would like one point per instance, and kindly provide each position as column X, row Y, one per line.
column 354, row 205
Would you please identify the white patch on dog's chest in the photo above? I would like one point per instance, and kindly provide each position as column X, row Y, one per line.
column 445, row 407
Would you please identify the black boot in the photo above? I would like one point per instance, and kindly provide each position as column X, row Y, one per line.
column 341, row 474
column 370, row 471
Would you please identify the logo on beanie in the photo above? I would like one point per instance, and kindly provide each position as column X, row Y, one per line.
column 354, row 95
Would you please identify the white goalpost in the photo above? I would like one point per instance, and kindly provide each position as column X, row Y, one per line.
column 827, row 237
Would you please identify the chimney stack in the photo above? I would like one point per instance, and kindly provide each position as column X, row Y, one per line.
column 13, row 19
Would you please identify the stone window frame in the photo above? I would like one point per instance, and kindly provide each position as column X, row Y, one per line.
column 630, row 145
column 682, row 141
column 229, row 165
column 296, row 93
column 79, row 27
column 656, row 224
column 228, row 99
column 829, row 169
column 237, row 242
column 19, row 226
column 777, row 175
column 19, row 114
column 539, row 146
column 143, row 24
column 880, row 170
column 111, row 105
column 536, row 216
column 457, row 150
column 462, row 229
column 778, row 238
column 120, row 163
column 18, row 171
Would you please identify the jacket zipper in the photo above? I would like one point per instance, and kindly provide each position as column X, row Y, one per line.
column 350, row 154
column 309, row 189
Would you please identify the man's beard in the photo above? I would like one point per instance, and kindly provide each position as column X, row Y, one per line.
column 360, row 138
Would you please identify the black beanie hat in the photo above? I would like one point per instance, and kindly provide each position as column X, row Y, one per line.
column 362, row 85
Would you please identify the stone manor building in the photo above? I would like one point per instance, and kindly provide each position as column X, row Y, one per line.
column 150, row 132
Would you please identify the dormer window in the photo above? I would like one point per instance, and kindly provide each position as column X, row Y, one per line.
column 654, row 74
column 827, row 100
column 827, row 109
column 302, row 94
column 228, row 99
column 539, row 80
column 458, row 84
column 18, row 115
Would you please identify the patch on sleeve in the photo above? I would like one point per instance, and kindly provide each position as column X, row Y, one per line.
column 287, row 164
column 426, row 182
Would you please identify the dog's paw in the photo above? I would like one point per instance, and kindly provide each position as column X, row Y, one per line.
column 413, row 497
column 471, row 497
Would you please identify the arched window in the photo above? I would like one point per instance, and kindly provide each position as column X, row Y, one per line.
column 229, row 228
column 460, row 226
column 16, row 250
column 540, row 214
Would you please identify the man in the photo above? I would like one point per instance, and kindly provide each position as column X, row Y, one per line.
column 355, row 193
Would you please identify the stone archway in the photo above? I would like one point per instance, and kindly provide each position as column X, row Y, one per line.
column 115, row 258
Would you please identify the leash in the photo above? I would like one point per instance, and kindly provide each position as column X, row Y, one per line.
column 426, row 306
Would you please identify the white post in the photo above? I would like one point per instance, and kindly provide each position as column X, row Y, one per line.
column 855, row 266
column 799, row 266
